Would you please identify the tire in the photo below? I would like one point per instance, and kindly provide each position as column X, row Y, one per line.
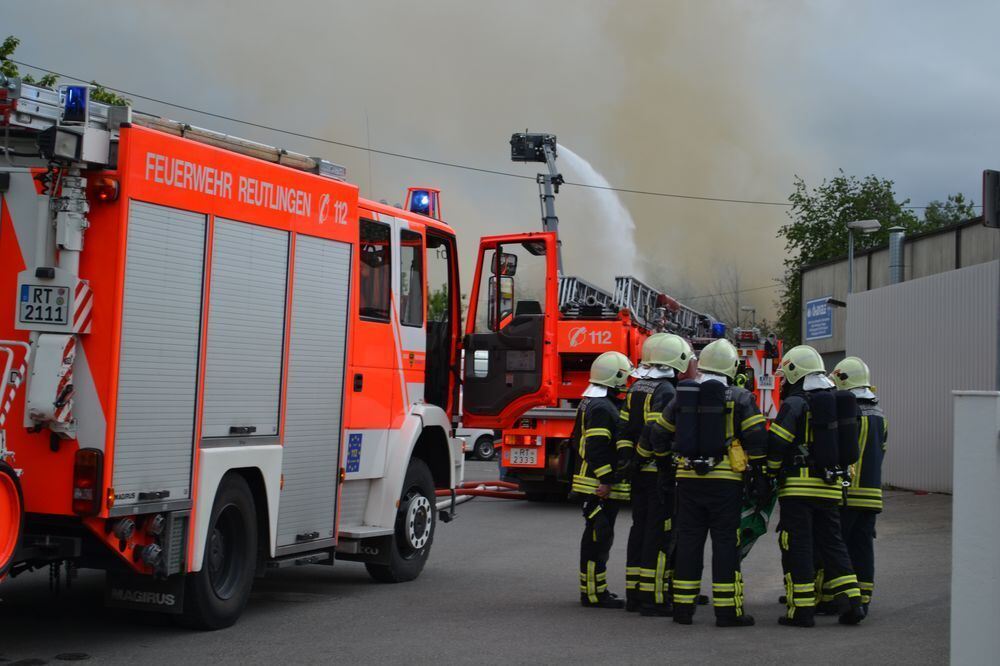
column 484, row 449
column 416, row 520
column 214, row 598
column 11, row 517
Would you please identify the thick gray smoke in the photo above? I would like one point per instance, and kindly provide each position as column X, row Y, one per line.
column 658, row 96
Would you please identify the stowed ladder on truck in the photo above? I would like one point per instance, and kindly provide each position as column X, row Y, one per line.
column 580, row 321
column 242, row 369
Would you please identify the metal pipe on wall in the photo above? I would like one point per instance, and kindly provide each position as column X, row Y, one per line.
column 897, row 262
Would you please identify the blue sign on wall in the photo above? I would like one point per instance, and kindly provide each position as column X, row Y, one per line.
column 819, row 319
column 354, row 453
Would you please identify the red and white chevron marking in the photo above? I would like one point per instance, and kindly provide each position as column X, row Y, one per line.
column 16, row 380
column 83, row 303
column 64, row 414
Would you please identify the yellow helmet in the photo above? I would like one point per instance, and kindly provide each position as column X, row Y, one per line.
column 647, row 347
column 851, row 373
column 798, row 362
column 719, row 357
column 611, row 369
column 671, row 351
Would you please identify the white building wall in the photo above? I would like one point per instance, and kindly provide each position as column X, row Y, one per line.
column 923, row 339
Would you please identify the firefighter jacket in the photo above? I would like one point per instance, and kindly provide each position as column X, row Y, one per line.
column 865, row 491
column 746, row 436
column 788, row 455
column 595, row 433
column 645, row 400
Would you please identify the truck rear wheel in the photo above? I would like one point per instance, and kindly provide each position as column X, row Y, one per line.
column 11, row 516
column 416, row 518
column 484, row 449
column 215, row 597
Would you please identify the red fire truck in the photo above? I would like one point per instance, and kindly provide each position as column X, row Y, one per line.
column 218, row 359
column 583, row 321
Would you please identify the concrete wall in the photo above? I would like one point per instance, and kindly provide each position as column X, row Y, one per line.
column 975, row 567
column 923, row 339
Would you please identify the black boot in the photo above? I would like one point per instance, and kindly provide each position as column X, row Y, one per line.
column 683, row 613
column 827, row 608
column 657, row 610
column 604, row 600
column 733, row 620
column 854, row 614
column 632, row 603
column 701, row 600
column 803, row 618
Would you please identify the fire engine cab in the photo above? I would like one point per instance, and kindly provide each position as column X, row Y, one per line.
column 217, row 359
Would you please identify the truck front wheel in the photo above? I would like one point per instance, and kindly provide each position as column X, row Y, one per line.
column 413, row 535
column 11, row 516
column 215, row 597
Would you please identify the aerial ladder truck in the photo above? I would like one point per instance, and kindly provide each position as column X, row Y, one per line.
column 589, row 321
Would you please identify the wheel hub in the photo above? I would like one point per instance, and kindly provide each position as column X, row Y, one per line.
column 419, row 517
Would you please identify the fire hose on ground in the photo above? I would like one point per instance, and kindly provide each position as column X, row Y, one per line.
column 470, row 489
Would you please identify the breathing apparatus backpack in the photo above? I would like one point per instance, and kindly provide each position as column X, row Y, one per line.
column 834, row 423
column 701, row 423
column 848, row 419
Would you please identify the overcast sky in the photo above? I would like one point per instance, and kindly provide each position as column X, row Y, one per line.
column 727, row 99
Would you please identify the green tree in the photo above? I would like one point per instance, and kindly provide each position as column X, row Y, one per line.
column 818, row 231
column 8, row 67
column 942, row 213
column 437, row 303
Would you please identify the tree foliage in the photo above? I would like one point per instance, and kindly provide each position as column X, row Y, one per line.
column 956, row 209
column 818, row 231
column 8, row 68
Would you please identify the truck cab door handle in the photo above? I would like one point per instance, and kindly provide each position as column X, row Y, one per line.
column 359, row 382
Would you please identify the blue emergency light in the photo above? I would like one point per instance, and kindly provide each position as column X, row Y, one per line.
column 420, row 202
column 75, row 102
column 718, row 330
column 424, row 201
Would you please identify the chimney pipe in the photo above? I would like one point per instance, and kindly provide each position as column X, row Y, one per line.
column 897, row 240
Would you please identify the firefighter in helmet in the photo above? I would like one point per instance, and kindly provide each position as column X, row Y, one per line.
column 594, row 436
column 714, row 430
column 665, row 358
column 810, row 450
column 863, row 500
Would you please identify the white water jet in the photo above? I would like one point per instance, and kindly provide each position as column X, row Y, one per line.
column 603, row 242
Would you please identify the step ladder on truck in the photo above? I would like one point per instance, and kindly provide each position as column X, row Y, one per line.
column 581, row 320
column 218, row 359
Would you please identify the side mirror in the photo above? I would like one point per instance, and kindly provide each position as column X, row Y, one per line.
column 504, row 263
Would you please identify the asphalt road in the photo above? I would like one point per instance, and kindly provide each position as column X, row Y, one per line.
column 501, row 587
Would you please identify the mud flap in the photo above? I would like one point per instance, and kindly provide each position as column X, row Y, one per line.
column 145, row 593
column 376, row 550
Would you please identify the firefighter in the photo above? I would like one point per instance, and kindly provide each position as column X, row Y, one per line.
column 665, row 357
column 863, row 501
column 714, row 430
column 595, row 430
column 805, row 452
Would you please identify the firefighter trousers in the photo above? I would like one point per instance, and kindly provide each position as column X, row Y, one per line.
column 809, row 531
column 858, row 529
column 647, row 570
column 708, row 506
column 595, row 546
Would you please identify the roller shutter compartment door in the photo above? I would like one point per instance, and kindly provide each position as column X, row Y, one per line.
column 315, row 390
column 246, row 325
column 158, row 363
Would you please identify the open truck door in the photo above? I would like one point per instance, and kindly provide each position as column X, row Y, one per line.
column 510, row 361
